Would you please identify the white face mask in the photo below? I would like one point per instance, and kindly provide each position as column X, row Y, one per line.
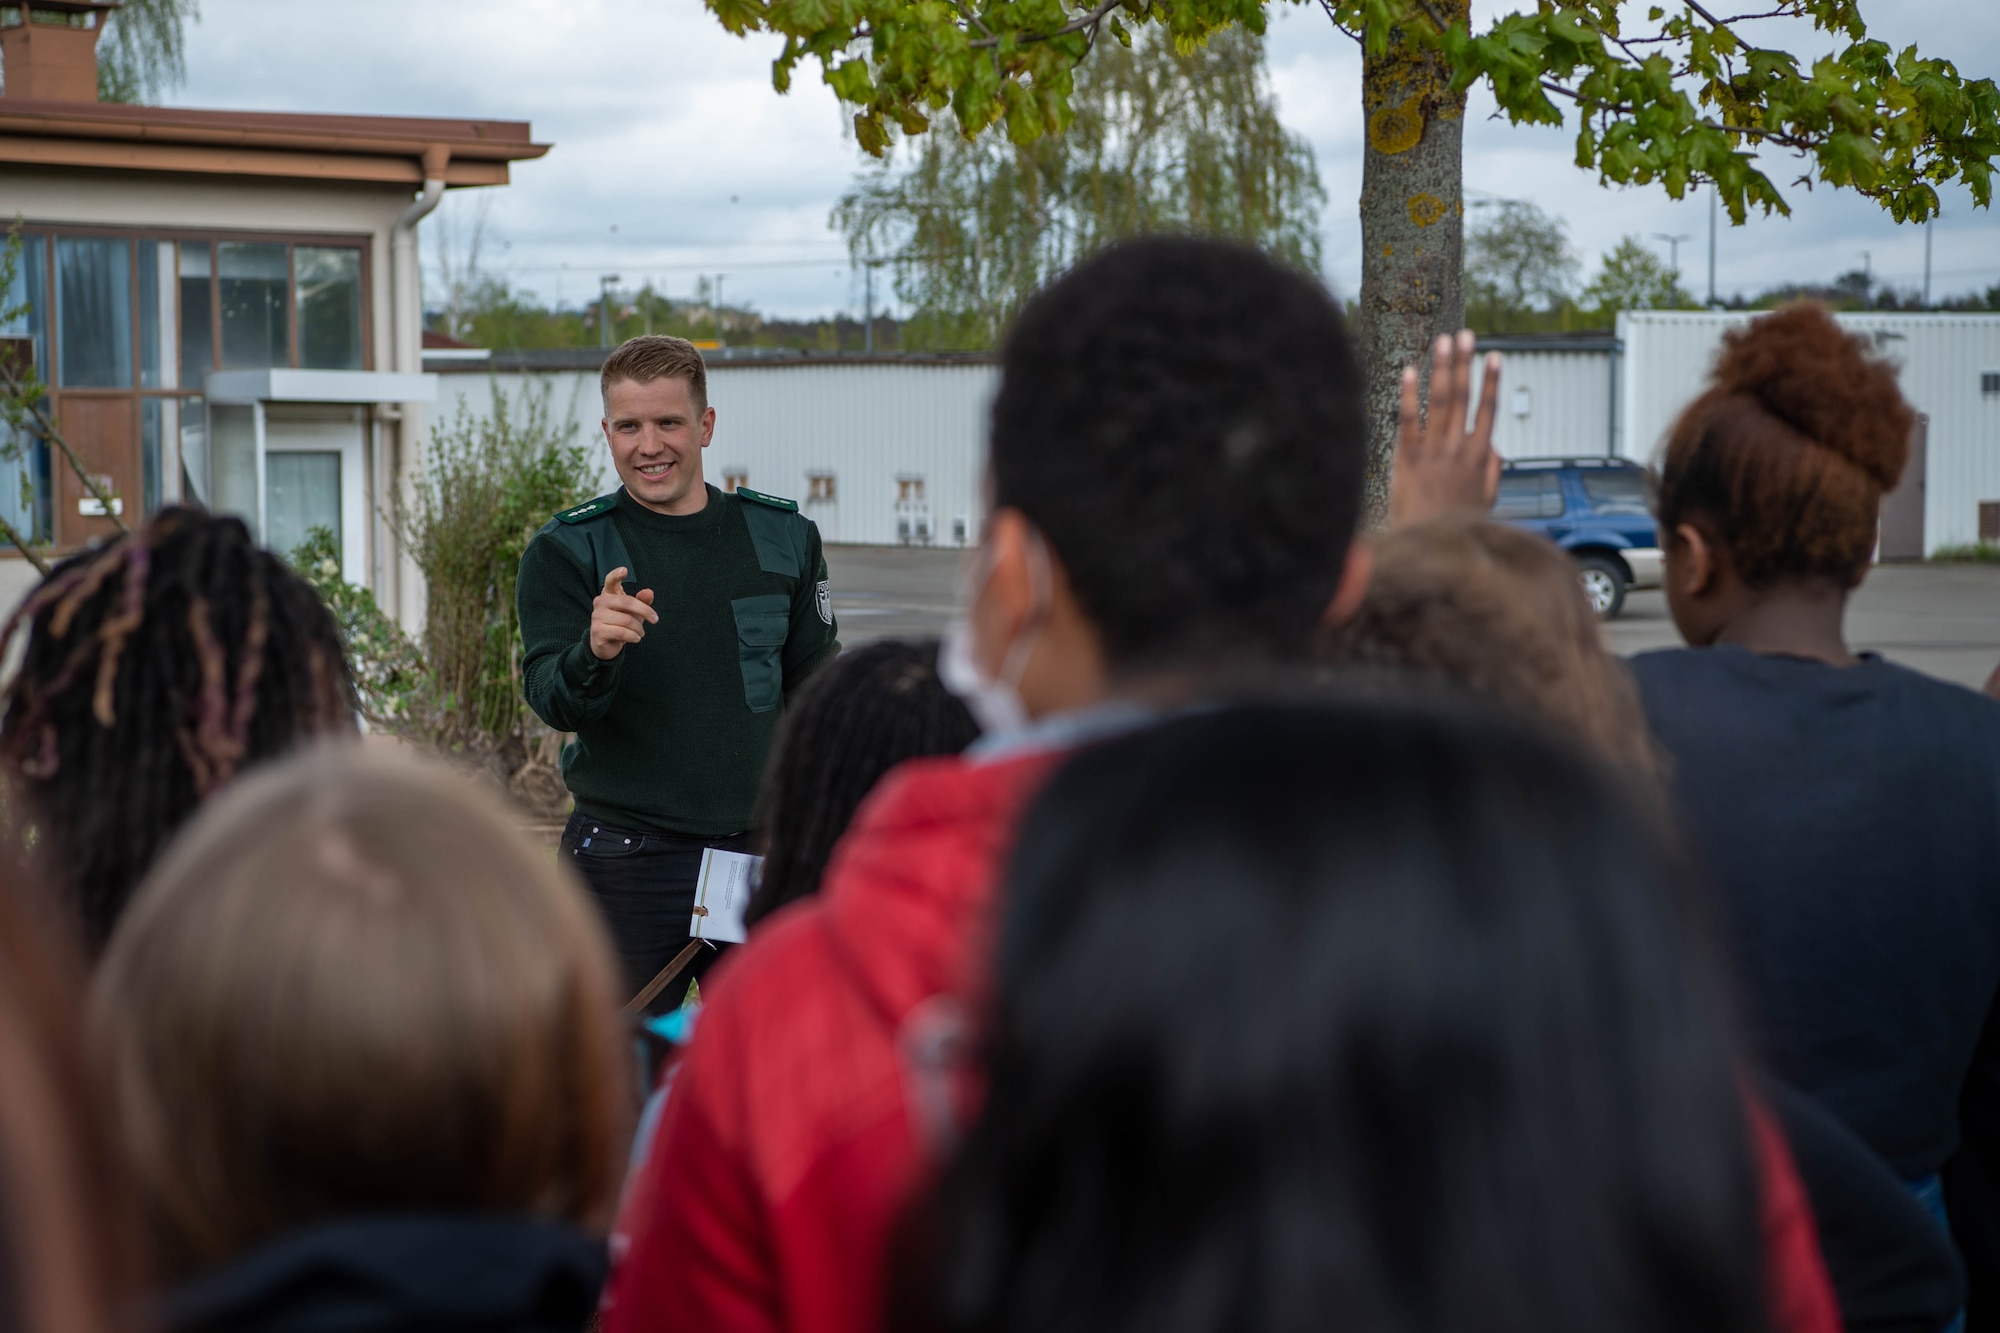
column 996, row 704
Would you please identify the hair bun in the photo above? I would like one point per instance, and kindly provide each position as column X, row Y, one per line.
column 1826, row 383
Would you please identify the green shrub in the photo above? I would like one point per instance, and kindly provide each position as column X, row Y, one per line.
column 396, row 689
column 488, row 483
column 1978, row 553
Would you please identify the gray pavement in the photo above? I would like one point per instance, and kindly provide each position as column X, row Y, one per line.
column 1940, row 619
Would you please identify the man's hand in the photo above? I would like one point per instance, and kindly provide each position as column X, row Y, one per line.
column 617, row 619
column 1442, row 468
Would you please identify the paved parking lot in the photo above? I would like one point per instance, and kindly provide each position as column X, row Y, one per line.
column 1942, row 619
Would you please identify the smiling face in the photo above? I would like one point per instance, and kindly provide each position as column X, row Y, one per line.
column 657, row 433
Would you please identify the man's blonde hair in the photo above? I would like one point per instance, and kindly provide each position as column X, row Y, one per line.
column 355, row 986
column 657, row 356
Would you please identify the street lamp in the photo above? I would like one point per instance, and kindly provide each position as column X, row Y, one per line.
column 604, row 310
column 1673, row 250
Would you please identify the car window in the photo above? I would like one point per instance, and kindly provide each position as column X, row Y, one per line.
column 1528, row 495
column 1618, row 491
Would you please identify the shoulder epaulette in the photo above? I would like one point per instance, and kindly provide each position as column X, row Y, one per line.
column 583, row 513
column 776, row 502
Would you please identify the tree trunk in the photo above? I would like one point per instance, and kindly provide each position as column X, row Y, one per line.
column 1412, row 230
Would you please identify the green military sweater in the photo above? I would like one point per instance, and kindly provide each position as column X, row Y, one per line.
column 671, row 734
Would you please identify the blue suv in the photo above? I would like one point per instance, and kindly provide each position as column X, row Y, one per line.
column 1599, row 510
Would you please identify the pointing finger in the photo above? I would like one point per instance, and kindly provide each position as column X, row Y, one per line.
column 614, row 582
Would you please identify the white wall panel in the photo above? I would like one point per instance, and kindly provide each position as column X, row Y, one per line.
column 1568, row 402
column 869, row 424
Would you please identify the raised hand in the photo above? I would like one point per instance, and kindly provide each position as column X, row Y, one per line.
column 1441, row 467
column 617, row 618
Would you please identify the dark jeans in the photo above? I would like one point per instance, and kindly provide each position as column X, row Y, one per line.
column 644, row 885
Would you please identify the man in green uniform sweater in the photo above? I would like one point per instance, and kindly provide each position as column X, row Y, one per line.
column 665, row 624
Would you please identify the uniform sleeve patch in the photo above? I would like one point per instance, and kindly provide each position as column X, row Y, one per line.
column 603, row 504
column 826, row 600
column 775, row 501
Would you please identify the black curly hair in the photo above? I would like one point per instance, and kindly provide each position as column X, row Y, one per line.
column 1183, row 421
column 858, row 717
column 156, row 668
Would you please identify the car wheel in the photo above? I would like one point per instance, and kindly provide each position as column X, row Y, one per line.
column 1603, row 585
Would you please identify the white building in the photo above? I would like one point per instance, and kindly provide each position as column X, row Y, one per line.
column 877, row 450
column 226, row 305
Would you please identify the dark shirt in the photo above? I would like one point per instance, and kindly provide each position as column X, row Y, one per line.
column 446, row 1273
column 1849, row 819
column 671, row 735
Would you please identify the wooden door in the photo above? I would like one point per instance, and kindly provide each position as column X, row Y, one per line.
column 1903, row 508
column 105, row 434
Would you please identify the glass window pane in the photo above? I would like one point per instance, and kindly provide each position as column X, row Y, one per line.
column 301, row 492
column 1618, row 491
column 255, row 288
column 152, row 435
column 197, row 316
column 329, row 307
column 94, row 312
column 194, row 451
column 1552, row 496
column 1520, row 495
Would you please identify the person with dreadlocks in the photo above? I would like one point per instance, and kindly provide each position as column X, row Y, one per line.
column 156, row 669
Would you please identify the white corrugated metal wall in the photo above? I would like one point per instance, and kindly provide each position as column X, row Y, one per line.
column 902, row 441
column 1668, row 355
column 1553, row 404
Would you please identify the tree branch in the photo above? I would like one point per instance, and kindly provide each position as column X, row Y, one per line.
column 1090, row 20
column 1778, row 137
column 24, row 546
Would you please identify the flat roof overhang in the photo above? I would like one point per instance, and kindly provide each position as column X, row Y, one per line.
column 372, row 149
column 319, row 386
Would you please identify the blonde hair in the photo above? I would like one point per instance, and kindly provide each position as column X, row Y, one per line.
column 657, row 356
column 1498, row 611
column 355, row 986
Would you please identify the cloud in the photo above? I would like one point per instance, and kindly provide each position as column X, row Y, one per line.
column 667, row 128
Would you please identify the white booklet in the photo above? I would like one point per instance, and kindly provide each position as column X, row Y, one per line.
column 722, row 895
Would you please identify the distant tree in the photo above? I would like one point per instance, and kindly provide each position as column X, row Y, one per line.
column 1632, row 277
column 1163, row 139
column 1518, row 264
column 143, row 52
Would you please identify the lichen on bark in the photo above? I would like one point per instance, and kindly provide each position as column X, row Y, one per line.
column 1412, row 216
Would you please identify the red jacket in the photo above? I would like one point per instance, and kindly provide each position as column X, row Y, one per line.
column 787, row 1150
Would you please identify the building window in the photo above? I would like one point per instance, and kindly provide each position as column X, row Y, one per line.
column 734, row 477
column 127, row 327
column 329, row 283
column 1989, row 382
column 94, row 312
column 909, row 490
column 254, row 284
column 819, row 488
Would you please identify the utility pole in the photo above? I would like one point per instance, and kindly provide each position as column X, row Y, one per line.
column 1712, row 194
column 1927, row 261
column 718, row 305
column 1673, row 250
column 604, row 310
column 1867, row 279
column 868, row 267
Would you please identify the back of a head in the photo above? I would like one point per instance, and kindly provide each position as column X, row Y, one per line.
column 859, row 716
column 156, row 669
column 1496, row 611
column 68, row 1250
column 354, row 987
column 1786, row 457
column 1354, row 1011
column 1182, row 420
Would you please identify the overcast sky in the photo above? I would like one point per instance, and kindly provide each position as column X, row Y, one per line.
column 673, row 157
